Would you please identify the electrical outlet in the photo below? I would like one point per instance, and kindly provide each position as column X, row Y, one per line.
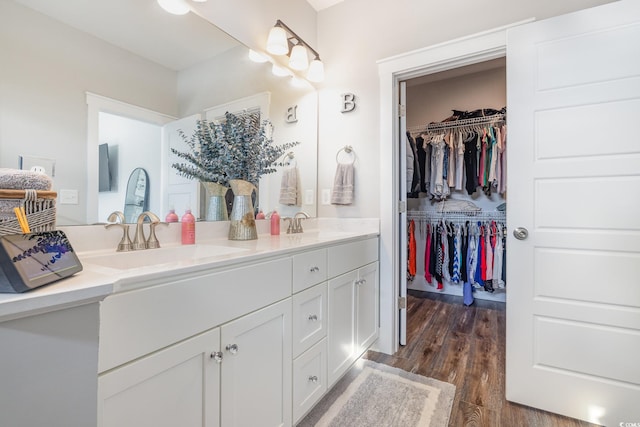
column 326, row 196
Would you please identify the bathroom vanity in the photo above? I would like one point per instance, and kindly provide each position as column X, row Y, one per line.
column 230, row 333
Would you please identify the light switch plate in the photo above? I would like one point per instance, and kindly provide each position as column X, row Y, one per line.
column 308, row 197
column 326, row 196
column 68, row 197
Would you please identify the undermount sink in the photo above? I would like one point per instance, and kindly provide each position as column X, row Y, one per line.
column 151, row 257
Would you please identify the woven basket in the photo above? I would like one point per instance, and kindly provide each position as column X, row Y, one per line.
column 40, row 207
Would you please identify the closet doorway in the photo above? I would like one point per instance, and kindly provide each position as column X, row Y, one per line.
column 564, row 335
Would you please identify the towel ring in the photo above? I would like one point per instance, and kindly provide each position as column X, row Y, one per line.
column 289, row 158
column 349, row 150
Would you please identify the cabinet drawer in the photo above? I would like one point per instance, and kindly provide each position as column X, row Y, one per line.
column 309, row 268
column 309, row 379
column 136, row 323
column 349, row 256
column 309, row 317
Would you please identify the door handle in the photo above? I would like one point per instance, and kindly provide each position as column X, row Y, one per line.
column 521, row 233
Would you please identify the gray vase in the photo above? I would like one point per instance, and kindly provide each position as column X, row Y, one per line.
column 243, row 222
column 217, row 207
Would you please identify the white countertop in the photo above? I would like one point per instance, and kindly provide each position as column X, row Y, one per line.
column 106, row 271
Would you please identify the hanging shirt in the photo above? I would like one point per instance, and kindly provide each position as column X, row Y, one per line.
column 427, row 255
column 497, row 260
column 460, row 163
column 471, row 163
column 412, row 250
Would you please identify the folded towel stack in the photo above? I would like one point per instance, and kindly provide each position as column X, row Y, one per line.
column 16, row 179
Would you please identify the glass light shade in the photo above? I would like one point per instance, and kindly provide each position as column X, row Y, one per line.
column 277, row 43
column 280, row 71
column 299, row 59
column 257, row 57
column 176, row 7
column 316, row 71
column 199, row 1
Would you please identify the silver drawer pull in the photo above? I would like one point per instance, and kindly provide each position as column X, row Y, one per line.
column 217, row 356
column 361, row 281
column 232, row 348
column 313, row 317
column 313, row 379
column 314, row 269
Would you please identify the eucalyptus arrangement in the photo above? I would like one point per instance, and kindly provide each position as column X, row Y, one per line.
column 239, row 148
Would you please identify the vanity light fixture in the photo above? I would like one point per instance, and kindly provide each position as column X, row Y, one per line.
column 177, row 7
column 283, row 41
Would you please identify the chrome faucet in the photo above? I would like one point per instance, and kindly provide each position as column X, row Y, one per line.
column 139, row 241
column 296, row 224
column 117, row 219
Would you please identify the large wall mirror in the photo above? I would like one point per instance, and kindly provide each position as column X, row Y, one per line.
column 131, row 55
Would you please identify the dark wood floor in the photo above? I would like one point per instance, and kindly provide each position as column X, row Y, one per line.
column 465, row 346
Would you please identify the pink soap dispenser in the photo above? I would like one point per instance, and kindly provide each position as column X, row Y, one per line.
column 172, row 216
column 275, row 223
column 188, row 228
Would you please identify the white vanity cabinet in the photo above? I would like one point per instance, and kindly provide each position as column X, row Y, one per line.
column 352, row 304
column 258, row 344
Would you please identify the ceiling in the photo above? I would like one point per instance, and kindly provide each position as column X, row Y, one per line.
column 142, row 27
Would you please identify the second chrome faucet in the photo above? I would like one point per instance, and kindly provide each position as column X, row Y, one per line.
column 140, row 241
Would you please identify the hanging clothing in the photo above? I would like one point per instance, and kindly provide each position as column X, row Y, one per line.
column 411, row 261
column 470, row 163
column 422, row 162
column 427, row 255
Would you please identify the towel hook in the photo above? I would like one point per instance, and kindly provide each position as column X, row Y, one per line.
column 349, row 150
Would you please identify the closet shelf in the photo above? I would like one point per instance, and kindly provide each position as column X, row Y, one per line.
column 432, row 214
column 465, row 125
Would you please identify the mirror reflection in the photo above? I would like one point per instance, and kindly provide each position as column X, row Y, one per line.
column 137, row 196
column 133, row 53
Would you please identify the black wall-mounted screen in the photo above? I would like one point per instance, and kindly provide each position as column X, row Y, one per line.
column 104, row 171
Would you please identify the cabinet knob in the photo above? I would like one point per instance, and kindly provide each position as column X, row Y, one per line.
column 361, row 281
column 314, row 269
column 313, row 317
column 232, row 348
column 217, row 356
column 313, row 379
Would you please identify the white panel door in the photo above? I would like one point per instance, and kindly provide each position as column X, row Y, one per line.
column 341, row 329
column 178, row 192
column 366, row 311
column 573, row 305
column 402, row 222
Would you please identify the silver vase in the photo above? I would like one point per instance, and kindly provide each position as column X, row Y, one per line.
column 217, row 207
column 243, row 222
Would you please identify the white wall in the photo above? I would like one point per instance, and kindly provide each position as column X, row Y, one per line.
column 46, row 69
column 132, row 144
column 353, row 35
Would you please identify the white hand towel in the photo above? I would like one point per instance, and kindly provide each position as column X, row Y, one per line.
column 342, row 193
column 290, row 191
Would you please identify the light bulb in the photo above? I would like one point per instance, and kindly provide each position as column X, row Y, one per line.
column 176, row 7
column 277, row 43
column 316, row 71
column 299, row 59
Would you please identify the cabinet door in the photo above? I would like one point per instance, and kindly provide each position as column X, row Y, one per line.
column 256, row 371
column 177, row 386
column 340, row 333
column 366, row 307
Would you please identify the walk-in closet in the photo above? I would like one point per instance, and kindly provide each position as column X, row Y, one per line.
column 456, row 182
